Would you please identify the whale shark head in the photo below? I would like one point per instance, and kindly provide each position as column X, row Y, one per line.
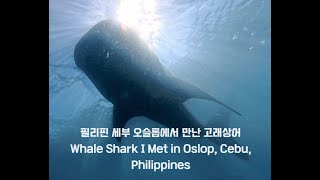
column 109, row 44
column 95, row 47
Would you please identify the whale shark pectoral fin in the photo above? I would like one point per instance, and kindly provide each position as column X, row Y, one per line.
column 186, row 91
column 121, row 115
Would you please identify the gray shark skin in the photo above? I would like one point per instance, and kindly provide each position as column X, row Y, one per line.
column 129, row 75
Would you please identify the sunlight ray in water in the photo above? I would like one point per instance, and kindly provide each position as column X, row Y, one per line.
column 140, row 15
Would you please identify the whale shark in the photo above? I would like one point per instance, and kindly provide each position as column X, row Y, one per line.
column 127, row 73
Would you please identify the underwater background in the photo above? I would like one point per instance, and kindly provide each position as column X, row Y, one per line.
column 221, row 46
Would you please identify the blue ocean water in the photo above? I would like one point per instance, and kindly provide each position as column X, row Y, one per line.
column 221, row 46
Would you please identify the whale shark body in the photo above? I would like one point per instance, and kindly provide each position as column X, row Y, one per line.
column 129, row 75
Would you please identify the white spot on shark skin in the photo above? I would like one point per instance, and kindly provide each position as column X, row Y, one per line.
column 108, row 55
column 263, row 42
column 251, row 48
